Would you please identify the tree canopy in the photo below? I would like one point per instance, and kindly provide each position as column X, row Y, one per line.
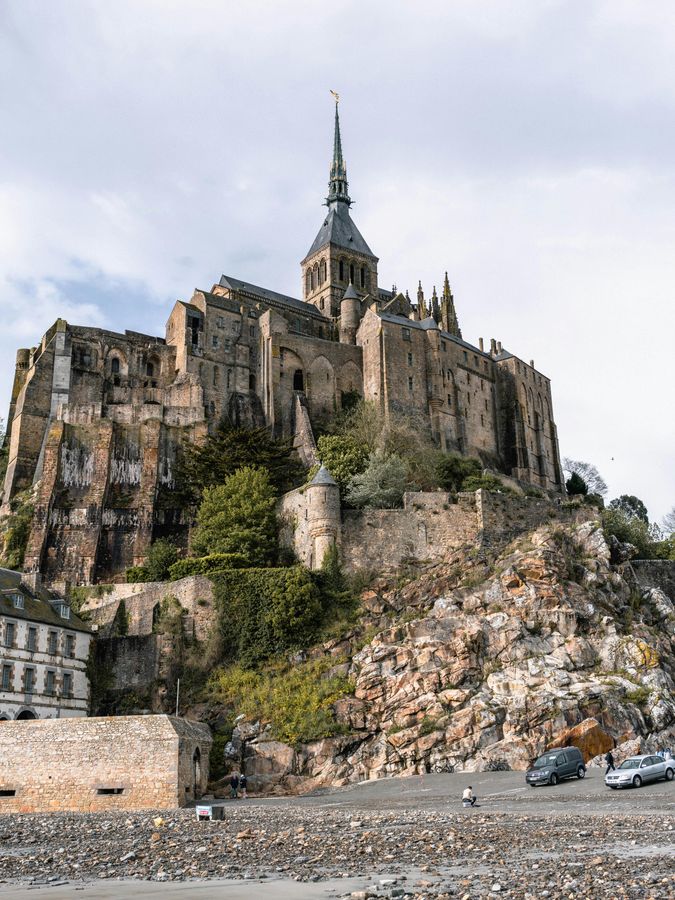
column 631, row 506
column 239, row 517
column 595, row 483
column 230, row 448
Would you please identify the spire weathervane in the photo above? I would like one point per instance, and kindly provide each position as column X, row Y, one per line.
column 337, row 185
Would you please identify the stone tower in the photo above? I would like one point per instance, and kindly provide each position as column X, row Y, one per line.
column 323, row 515
column 339, row 254
column 350, row 315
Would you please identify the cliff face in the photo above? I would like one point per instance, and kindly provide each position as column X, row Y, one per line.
column 481, row 664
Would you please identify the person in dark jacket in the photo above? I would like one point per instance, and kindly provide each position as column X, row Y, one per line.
column 609, row 759
column 234, row 785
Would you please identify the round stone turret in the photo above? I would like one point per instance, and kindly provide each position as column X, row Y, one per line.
column 350, row 315
column 323, row 515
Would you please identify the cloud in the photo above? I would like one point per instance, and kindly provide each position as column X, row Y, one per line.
column 149, row 146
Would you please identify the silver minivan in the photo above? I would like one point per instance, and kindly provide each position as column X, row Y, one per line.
column 638, row 770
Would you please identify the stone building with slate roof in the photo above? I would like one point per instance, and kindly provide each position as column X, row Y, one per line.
column 98, row 419
column 44, row 648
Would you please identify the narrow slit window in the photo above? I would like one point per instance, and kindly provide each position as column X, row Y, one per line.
column 110, row 790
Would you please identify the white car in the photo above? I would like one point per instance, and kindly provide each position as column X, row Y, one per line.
column 638, row 770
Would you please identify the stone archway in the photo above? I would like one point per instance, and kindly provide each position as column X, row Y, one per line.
column 26, row 714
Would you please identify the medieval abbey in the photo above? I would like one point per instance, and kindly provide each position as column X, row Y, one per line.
column 98, row 418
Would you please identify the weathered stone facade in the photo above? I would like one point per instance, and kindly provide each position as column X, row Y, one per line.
column 100, row 764
column 44, row 649
column 98, row 419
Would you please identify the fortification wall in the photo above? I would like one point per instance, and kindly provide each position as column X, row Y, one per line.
column 101, row 764
column 142, row 602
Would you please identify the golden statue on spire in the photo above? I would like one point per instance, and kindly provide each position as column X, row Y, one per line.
column 336, row 95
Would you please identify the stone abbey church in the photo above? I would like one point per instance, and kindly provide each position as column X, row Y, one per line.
column 98, row 418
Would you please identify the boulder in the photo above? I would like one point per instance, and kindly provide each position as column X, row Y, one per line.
column 588, row 736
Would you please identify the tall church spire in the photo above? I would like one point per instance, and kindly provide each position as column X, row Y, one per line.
column 448, row 313
column 337, row 186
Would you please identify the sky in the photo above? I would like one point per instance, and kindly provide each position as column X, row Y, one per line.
column 526, row 147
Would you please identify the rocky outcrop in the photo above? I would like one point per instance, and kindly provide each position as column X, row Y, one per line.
column 483, row 663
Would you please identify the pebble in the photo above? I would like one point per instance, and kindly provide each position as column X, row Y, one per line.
column 442, row 854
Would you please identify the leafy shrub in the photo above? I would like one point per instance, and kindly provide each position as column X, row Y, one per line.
column 136, row 574
column 204, row 565
column 161, row 556
column 343, row 457
column 486, row 483
column 638, row 695
column 453, row 470
column 632, row 531
column 264, row 612
column 239, row 517
column 381, row 485
column 297, row 699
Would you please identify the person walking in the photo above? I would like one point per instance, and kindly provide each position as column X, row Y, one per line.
column 234, row 785
column 242, row 785
column 469, row 798
column 609, row 759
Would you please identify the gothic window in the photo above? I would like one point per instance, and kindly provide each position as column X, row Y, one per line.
column 342, row 270
column 298, row 380
column 149, row 369
column 315, row 275
column 308, row 281
column 322, row 271
column 363, row 277
column 115, row 366
column 351, row 272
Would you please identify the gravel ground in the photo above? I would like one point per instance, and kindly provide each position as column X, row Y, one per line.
column 421, row 852
column 395, row 837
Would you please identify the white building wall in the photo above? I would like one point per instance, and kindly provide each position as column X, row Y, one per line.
column 18, row 657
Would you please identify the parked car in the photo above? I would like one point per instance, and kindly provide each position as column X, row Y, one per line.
column 556, row 764
column 638, row 770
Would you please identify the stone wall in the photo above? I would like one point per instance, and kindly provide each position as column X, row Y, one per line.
column 142, row 602
column 95, row 765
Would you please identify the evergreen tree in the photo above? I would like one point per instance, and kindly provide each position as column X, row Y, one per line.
column 239, row 517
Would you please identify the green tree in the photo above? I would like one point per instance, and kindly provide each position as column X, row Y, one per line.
column 343, row 457
column 381, row 485
column 595, row 483
column 453, row 470
column 239, row 517
column 631, row 506
column 575, row 484
column 668, row 523
column 230, row 448
column 161, row 556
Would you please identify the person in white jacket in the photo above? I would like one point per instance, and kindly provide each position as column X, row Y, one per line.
column 469, row 798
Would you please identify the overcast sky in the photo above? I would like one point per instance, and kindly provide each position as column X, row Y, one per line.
column 526, row 146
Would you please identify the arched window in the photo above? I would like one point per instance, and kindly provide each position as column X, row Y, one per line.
column 351, row 272
column 363, row 276
column 115, row 366
column 322, row 271
column 149, row 369
column 308, row 281
column 251, row 381
column 342, row 270
column 315, row 275
column 298, row 380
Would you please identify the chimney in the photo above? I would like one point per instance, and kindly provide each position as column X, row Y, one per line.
column 532, row 363
column 480, row 343
column 499, row 346
column 493, row 346
column 32, row 580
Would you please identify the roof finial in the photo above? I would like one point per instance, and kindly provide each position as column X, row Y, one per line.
column 337, row 185
column 448, row 314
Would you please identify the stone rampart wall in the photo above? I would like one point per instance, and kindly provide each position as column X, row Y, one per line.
column 142, row 602
column 99, row 764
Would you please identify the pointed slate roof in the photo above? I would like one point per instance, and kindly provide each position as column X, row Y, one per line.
column 323, row 476
column 350, row 293
column 338, row 228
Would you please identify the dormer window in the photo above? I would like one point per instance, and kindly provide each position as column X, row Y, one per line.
column 18, row 601
column 64, row 610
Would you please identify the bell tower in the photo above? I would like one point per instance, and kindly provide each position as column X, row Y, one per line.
column 339, row 255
